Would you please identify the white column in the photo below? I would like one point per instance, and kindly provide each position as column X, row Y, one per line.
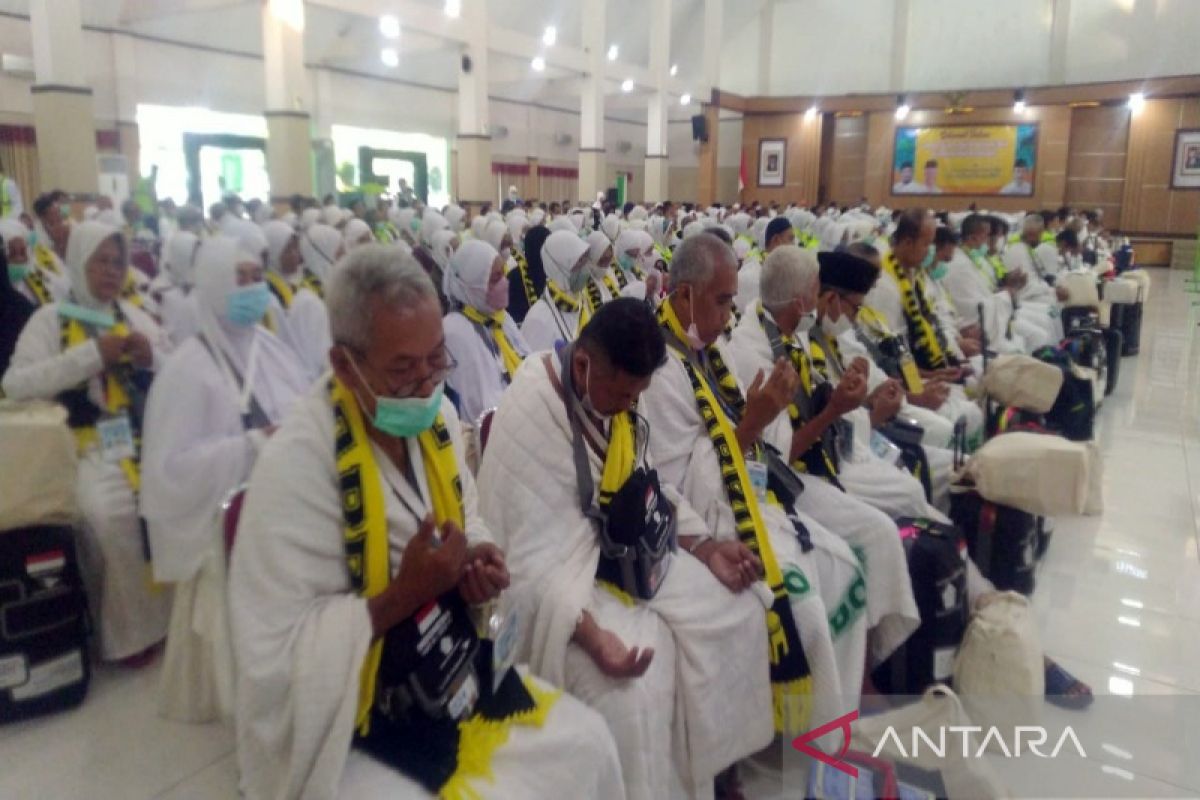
column 1060, row 23
column 289, row 135
column 713, row 20
column 656, row 117
column 62, row 99
column 592, row 173
column 901, row 16
column 474, row 140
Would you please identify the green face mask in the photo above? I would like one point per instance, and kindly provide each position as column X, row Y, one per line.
column 625, row 261
column 980, row 252
column 930, row 255
column 403, row 417
column 578, row 279
column 938, row 272
column 17, row 272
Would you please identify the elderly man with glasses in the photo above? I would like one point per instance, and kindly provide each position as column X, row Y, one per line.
column 362, row 573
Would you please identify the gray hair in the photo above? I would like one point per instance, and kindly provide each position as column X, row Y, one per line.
column 1033, row 222
column 788, row 273
column 372, row 271
column 696, row 259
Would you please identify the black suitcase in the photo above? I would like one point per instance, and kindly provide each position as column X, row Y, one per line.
column 937, row 566
column 1002, row 540
column 1074, row 411
column 43, row 624
column 1113, row 348
column 1127, row 318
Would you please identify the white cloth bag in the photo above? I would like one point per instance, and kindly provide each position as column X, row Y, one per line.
column 1024, row 382
column 1122, row 290
column 1038, row 473
column 37, row 465
column 999, row 671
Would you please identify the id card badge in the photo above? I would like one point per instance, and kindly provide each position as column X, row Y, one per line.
column 912, row 376
column 504, row 630
column 757, row 471
column 116, row 438
column 883, row 448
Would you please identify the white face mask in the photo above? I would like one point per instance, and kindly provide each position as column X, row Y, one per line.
column 586, row 400
column 807, row 320
column 835, row 328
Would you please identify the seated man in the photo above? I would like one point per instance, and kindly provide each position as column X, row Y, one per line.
column 807, row 434
column 681, row 677
column 908, row 328
column 706, row 445
column 342, row 583
column 1037, row 259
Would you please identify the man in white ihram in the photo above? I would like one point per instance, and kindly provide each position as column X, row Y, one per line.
column 359, row 670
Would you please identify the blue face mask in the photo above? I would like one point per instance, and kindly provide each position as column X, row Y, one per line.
column 929, row 257
column 625, row 261
column 939, row 272
column 403, row 417
column 248, row 304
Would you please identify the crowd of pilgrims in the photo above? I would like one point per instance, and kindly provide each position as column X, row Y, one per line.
column 350, row 365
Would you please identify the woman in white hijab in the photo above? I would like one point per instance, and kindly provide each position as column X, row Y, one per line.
column 445, row 242
column 455, row 216
column 611, row 226
column 218, row 398
column 565, row 224
column 305, row 327
column 176, row 306
column 482, row 338
column 479, row 225
column 96, row 354
column 356, row 234
column 431, row 223
column 558, row 315
column 320, row 247
column 601, row 285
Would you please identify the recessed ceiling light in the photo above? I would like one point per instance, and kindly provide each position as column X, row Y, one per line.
column 538, row 64
column 389, row 26
column 613, row 52
column 390, row 57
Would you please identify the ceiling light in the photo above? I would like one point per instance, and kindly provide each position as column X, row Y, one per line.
column 811, row 113
column 627, row 85
column 550, row 36
column 1137, row 101
column 674, row 70
column 902, row 110
column 538, row 64
column 1019, row 101
column 389, row 57
column 289, row 12
column 685, row 100
column 613, row 51
column 389, row 26
column 453, row 8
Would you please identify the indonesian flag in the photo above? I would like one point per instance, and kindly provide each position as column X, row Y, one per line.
column 742, row 174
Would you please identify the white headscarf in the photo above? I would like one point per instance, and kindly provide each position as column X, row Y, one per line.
column 13, row 229
column 597, row 242
column 657, row 228
column 565, row 225
column 693, row 228
column 537, row 216
column 454, row 216
column 319, row 247
column 355, row 230
column 250, row 238
column 443, row 247
column 431, row 223
column 517, row 223
column 112, row 217
column 86, row 237
column 216, row 280
column 628, row 240
column 611, row 226
column 638, row 213
column 331, row 215
column 466, row 279
column 493, row 233
column 278, row 235
column 179, row 258
column 758, row 232
column 309, row 217
column 740, row 222
column 478, row 226
column 561, row 252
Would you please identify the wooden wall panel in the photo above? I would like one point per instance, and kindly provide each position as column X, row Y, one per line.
column 803, row 161
column 1096, row 160
column 1149, row 205
column 847, row 178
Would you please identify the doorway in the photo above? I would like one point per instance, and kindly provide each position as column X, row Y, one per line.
column 385, row 169
column 220, row 164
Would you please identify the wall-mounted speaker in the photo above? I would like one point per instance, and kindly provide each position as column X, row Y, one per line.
column 700, row 128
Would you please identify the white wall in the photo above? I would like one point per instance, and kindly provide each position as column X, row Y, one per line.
column 832, row 47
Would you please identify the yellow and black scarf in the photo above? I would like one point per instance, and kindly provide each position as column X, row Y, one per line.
column 924, row 335
column 510, row 359
column 820, row 458
column 365, row 530
column 531, row 295
column 569, row 305
column 311, row 282
column 281, row 289
column 720, row 408
column 44, row 257
column 593, row 296
column 36, row 285
column 874, row 333
column 129, row 291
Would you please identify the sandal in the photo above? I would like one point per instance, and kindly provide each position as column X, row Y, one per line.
column 1063, row 689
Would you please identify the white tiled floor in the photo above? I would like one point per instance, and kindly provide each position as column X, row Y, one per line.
column 1118, row 600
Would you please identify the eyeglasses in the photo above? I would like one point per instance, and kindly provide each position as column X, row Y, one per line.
column 853, row 306
column 404, row 377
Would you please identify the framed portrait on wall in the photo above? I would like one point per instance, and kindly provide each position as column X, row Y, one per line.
column 1185, row 170
column 772, row 158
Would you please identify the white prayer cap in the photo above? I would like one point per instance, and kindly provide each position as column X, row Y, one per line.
column 179, row 257
column 741, row 247
column 84, row 240
column 562, row 254
column 321, row 247
column 468, row 273
column 352, row 236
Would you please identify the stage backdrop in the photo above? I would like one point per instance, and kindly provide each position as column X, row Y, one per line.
column 965, row 159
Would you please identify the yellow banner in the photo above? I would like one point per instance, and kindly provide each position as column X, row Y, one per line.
column 965, row 159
